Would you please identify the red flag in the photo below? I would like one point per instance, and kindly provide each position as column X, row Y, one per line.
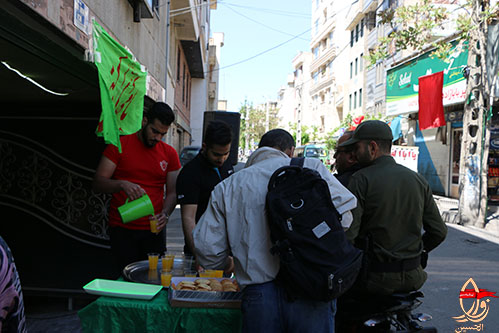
column 431, row 107
column 356, row 122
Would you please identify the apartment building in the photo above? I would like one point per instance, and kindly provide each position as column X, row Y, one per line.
column 326, row 41
column 50, row 110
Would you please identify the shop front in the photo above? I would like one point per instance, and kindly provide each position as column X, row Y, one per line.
column 439, row 148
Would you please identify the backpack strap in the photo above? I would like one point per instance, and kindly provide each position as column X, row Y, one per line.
column 298, row 161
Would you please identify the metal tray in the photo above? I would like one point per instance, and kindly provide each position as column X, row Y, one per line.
column 139, row 271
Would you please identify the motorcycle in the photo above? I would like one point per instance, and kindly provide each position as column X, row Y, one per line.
column 382, row 314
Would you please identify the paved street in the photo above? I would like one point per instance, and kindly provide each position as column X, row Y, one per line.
column 460, row 257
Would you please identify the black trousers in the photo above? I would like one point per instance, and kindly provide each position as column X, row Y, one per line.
column 129, row 246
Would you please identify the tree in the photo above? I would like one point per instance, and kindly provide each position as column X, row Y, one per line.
column 254, row 124
column 412, row 30
column 305, row 138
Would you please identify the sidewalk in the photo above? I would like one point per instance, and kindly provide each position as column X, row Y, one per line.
column 449, row 210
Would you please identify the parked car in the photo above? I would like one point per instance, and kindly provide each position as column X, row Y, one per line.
column 318, row 151
column 188, row 153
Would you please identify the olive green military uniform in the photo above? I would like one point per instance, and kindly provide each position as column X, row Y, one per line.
column 394, row 206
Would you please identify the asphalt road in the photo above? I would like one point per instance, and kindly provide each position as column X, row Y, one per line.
column 462, row 256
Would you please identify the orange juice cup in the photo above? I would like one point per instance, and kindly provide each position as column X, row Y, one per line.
column 167, row 262
column 205, row 274
column 153, row 260
column 154, row 225
column 215, row 273
column 166, row 278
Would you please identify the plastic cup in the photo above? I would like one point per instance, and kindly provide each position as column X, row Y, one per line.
column 154, row 225
column 167, row 262
column 214, row 273
column 204, row 274
column 152, row 275
column 136, row 209
column 190, row 273
column 153, row 260
column 188, row 262
column 166, row 278
column 217, row 273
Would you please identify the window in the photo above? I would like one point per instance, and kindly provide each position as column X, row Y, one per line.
column 315, row 75
column 183, row 84
column 316, row 52
column 178, row 65
column 351, row 38
column 362, row 28
column 361, row 62
column 355, row 100
column 356, row 65
column 351, row 69
column 331, row 39
column 380, row 73
column 357, row 33
column 350, row 102
column 360, row 97
column 316, row 26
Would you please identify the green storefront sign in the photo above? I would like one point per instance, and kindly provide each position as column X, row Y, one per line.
column 402, row 83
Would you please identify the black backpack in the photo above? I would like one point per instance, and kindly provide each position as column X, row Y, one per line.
column 317, row 261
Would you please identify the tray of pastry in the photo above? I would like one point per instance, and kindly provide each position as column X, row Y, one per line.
column 204, row 292
column 139, row 271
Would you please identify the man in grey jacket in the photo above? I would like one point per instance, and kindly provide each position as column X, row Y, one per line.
column 235, row 222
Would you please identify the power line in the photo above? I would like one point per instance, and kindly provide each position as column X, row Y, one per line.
column 259, row 54
column 270, row 11
column 262, row 24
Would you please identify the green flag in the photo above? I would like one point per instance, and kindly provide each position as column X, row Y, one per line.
column 122, row 82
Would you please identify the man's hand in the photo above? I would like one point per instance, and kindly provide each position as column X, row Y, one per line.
column 162, row 220
column 133, row 191
column 229, row 266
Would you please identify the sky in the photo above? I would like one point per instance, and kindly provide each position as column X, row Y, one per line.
column 251, row 28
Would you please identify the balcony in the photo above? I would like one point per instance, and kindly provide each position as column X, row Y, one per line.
column 323, row 82
column 323, row 58
column 185, row 22
column 324, row 30
column 188, row 30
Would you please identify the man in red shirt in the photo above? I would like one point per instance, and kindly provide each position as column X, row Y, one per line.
column 146, row 165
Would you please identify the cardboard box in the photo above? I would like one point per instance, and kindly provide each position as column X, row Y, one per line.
column 202, row 299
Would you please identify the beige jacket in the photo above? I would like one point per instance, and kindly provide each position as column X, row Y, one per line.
column 235, row 219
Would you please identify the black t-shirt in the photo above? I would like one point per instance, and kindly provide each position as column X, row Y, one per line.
column 197, row 179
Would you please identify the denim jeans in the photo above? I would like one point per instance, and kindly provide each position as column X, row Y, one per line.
column 265, row 309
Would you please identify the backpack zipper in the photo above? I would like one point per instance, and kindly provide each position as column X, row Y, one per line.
column 330, row 281
column 288, row 221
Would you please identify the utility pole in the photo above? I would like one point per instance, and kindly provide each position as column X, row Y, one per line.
column 246, row 138
column 298, row 116
column 476, row 132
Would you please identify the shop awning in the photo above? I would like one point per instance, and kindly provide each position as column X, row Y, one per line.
column 402, row 81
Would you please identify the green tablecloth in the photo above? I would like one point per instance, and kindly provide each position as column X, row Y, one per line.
column 113, row 314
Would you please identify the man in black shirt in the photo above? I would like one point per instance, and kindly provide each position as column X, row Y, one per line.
column 198, row 177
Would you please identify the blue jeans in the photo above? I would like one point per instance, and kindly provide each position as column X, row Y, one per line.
column 265, row 309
